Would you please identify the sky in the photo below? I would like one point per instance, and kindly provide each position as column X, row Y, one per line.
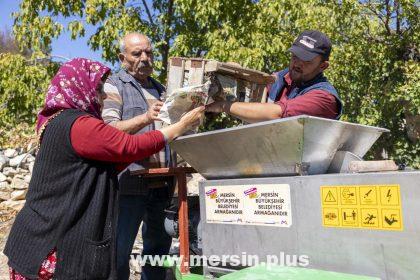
column 61, row 46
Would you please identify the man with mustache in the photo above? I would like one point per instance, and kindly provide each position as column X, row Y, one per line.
column 132, row 105
column 300, row 89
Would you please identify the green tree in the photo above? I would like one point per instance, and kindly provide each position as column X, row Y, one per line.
column 23, row 83
column 112, row 19
column 8, row 44
column 374, row 64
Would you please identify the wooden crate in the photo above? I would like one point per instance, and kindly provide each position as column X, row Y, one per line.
column 251, row 84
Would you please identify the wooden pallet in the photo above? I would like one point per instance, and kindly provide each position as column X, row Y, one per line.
column 191, row 71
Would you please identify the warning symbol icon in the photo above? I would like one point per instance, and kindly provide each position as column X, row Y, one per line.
column 391, row 219
column 390, row 195
column 330, row 217
column 329, row 196
column 348, row 195
column 370, row 218
column 368, row 195
column 349, row 217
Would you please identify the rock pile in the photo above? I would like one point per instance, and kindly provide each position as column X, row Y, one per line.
column 16, row 167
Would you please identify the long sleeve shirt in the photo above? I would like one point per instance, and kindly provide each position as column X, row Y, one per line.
column 91, row 138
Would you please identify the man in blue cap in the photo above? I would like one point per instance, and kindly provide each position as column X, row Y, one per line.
column 300, row 89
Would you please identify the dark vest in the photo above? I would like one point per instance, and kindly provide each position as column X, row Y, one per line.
column 71, row 205
column 134, row 104
column 319, row 82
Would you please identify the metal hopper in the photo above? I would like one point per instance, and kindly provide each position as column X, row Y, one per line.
column 296, row 145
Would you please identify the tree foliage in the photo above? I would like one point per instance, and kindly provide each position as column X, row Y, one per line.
column 8, row 44
column 374, row 64
column 23, row 82
column 22, row 87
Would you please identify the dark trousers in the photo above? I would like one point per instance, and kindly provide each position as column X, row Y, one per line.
column 133, row 209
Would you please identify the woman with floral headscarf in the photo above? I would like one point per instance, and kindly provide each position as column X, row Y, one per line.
column 66, row 229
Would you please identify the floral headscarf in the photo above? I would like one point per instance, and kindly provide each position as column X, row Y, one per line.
column 74, row 87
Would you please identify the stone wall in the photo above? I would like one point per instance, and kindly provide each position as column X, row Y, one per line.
column 15, row 173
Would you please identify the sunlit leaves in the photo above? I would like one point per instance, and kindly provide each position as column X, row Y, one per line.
column 374, row 65
column 22, row 87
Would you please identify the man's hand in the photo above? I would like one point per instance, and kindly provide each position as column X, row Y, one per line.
column 249, row 112
column 219, row 107
column 152, row 113
column 137, row 123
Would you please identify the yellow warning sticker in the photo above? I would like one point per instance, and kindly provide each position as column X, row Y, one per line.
column 330, row 216
column 376, row 207
column 390, row 195
column 329, row 196
column 369, row 217
column 368, row 195
column 348, row 195
column 391, row 219
column 349, row 217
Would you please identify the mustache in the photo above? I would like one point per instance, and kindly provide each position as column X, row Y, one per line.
column 144, row 64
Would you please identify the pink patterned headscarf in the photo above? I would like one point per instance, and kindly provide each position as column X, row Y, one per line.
column 74, row 87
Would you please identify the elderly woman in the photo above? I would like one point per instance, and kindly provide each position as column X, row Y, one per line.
column 66, row 229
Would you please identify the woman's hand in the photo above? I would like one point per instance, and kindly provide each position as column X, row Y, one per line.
column 189, row 121
column 193, row 118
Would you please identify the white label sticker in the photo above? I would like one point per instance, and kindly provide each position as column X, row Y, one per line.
column 267, row 204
